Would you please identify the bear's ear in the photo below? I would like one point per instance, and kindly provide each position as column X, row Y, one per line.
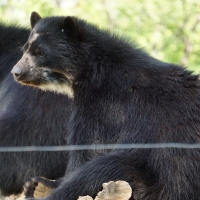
column 35, row 17
column 70, row 26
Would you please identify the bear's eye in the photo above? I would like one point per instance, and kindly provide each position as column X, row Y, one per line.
column 39, row 52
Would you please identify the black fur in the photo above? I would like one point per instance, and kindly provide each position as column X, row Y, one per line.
column 121, row 95
column 27, row 117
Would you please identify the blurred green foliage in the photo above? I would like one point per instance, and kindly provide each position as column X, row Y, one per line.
column 168, row 30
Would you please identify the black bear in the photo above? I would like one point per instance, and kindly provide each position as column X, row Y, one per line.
column 27, row 117
column 121, row 95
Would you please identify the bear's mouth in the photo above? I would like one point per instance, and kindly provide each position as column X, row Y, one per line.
column 30, row 83
column 25, row 79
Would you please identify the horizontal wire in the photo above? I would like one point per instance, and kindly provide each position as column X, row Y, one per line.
column 100, row 147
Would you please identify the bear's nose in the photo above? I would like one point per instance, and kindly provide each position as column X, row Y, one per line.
column 16, row 71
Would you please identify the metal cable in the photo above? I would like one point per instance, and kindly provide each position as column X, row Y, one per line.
column 100, row 146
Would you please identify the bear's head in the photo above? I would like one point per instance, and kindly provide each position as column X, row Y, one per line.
column 49, row 59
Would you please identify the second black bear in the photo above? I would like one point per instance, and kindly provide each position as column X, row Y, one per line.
column 120, row 95
column 28, row 117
